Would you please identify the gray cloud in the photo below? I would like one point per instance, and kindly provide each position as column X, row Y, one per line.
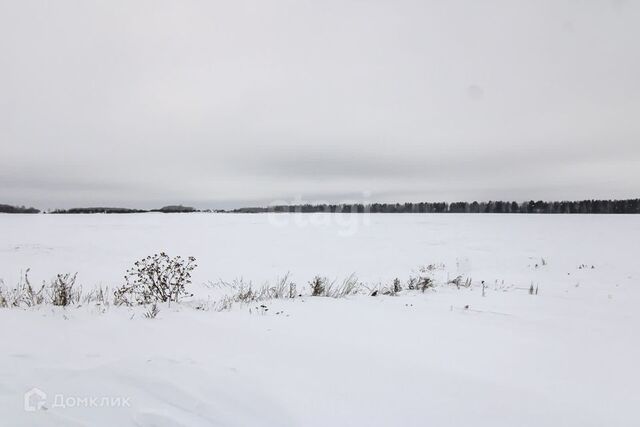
column 218, row 103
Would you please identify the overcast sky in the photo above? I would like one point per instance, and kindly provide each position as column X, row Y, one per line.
column 233, row 103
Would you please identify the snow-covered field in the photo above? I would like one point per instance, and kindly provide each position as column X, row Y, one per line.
column 569, row 356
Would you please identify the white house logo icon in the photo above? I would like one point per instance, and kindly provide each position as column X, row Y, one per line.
column 34, row 400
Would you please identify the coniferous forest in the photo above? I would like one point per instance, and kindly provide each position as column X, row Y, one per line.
column 628, row 206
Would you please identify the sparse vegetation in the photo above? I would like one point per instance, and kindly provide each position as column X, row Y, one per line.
column 24, row 294
column 321, row 287
column 157, row 278
column 153, row 312
column 62, row 292
column 349, row 286
column 100, row 296
column 459, row 282
column 423, row 280
column 161, row 279
column 396, row 287
column 425, row 283
column 533, row 290
column 318, row 285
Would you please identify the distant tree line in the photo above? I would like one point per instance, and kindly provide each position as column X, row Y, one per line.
column 17, row 209
column 629, row 206
column 105, row 210
column 95, row 210
column 175, row 209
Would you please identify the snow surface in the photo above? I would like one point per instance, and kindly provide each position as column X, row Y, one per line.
column 569, row 356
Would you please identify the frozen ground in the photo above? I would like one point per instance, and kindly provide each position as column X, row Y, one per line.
column 568, row 356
